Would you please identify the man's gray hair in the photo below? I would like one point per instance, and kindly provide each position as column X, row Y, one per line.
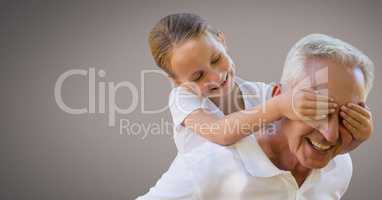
column 323, row 46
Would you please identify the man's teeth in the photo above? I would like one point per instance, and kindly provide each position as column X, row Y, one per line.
column 320, row 146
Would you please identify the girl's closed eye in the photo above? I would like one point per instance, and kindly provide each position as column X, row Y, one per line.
column 216, row 60
column 197, row 76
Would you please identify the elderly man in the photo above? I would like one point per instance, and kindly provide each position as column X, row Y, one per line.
column 304, row 159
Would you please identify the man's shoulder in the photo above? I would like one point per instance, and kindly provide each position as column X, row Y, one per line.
column 344, row 158
column 210, row 163
column 209, row 151
column 336, row 176
column 340, row 166
column 344, row 161
column 209, row 157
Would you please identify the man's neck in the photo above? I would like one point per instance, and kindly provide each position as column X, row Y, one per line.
column 276, row 148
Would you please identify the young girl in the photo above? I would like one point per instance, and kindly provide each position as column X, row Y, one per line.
column 209, row 101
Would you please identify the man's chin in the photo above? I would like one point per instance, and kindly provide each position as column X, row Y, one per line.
column 312, row 158
column 310, row 162
column 314, row 164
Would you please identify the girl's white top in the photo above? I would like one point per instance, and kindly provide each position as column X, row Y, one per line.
column 182, row 102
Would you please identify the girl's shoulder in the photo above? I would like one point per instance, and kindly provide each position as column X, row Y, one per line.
column 254, row 88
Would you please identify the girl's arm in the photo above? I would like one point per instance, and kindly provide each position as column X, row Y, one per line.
column 231, row 128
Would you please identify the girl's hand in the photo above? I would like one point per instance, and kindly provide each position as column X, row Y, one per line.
column 357, row 121
column 306, row 105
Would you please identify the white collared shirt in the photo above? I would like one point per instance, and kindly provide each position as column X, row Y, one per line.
column 206, row 171
column 183, row 102
column 244, row 172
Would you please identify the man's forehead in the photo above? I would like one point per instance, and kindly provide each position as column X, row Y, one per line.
column 341, row 82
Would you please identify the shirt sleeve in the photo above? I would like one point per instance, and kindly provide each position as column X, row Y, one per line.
column 183, row 102
column 258, row 92
column 175, row 184
column 264, row 91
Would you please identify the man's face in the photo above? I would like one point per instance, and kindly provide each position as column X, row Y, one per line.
column 315, row 143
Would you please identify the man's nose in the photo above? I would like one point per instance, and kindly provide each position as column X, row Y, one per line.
column 329, row 129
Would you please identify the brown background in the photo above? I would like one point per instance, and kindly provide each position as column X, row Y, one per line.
column 46, row 153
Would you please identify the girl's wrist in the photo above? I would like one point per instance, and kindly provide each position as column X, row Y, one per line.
column 278, row 103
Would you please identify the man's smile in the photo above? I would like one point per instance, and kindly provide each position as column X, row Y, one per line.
column 319, row 146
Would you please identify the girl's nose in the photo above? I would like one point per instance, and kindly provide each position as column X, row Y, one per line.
column 215, row 76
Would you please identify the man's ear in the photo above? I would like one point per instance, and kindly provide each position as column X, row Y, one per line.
column 276, row 90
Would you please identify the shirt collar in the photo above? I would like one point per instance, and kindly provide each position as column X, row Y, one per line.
column 254, row 159
column 257, row 162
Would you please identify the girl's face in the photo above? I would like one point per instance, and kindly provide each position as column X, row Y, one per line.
column 203, row 65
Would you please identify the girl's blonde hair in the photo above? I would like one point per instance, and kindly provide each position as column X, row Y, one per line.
column 172, row 31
